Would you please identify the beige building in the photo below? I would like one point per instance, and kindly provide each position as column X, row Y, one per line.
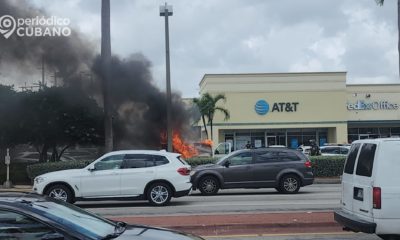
column 293, row 108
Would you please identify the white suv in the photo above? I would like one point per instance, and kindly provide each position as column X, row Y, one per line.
column 371, row 189
column 132, row 174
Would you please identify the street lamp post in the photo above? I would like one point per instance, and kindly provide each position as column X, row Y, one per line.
column 165, row 11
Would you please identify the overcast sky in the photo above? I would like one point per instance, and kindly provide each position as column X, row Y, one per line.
column 248, row 36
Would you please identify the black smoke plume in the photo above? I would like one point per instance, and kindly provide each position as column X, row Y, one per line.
column 139, row 108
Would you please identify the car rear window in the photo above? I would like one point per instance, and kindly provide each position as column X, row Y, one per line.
column 289, row 156
column 351, row 159
column 366, row 160
column 267, row 157
column 330, row 150
column 138, row 161
column 182, row 160
column 160, row 160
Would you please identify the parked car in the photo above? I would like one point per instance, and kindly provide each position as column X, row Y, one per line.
column 34, row 217
column 284, row 169
column 370, row 188
column 132, row 174
column 305, row 150
column 334, row 150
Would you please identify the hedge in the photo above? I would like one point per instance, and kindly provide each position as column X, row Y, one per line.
column 323, row 166
column 17, row 173
column 37, row 169
column 328, row 166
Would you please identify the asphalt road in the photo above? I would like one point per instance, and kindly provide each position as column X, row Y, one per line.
column 317, row 197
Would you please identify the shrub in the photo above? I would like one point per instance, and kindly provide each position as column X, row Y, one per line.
column 37, row 169
column 328, row 166
column 17, row 173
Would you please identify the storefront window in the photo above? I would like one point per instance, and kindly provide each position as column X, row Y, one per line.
column 352, row 131
column 395, row 131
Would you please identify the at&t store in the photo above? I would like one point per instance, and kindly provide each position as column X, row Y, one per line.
column 292, row 108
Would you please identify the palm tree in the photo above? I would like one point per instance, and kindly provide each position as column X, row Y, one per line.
column 202, row 106
column 380, row 2
column 207, row 105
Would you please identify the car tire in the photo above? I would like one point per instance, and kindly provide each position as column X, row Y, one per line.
column 60, row 192
column 389, row 237
column 159, row 194
column 289, row 184
column 208, row 185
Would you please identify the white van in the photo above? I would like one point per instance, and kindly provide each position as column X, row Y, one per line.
column 371, row 188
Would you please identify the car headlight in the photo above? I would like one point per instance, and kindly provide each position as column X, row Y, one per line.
column 192, row 172
column 38, row 180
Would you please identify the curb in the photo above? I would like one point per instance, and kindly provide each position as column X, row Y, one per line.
column 236, row 224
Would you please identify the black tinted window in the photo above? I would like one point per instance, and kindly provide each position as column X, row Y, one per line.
column 366, row 160
column 330, row 150
column 138, row 161
column 160, row 160
column 288, row 156
column 351, row 159
column 344, row 150
column 267, row 157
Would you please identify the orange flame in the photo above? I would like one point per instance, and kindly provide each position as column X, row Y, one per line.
column 179, row 145
column 207, row 142
column 183, row 148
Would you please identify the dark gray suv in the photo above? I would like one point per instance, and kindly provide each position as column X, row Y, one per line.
column 284, row 169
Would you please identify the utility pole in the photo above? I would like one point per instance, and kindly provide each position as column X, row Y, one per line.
column 43, row 83
column 106, row 76
column 165, row 11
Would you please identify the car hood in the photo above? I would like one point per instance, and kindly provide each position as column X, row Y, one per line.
column 207, row 166
column 68, row 172
column 151, row 233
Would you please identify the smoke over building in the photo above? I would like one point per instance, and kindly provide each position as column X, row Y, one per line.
column 139, row 108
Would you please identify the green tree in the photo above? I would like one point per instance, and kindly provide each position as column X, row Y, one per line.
column 8, row 108
column 381, row 2
column 208, row 106
column 55, row 119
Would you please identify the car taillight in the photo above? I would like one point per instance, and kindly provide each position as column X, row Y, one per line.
column 308, row 164
column 183, row 171
column 376, row 198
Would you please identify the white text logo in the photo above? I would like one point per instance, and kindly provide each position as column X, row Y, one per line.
column 35, row 27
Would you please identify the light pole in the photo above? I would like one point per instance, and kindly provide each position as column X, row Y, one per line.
column 165, row 11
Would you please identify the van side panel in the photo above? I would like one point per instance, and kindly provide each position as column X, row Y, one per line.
column 387, row 177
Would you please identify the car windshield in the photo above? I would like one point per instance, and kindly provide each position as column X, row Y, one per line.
column 75, row 218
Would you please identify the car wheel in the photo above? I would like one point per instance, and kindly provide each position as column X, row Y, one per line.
column 60, row 192
column 289, row 184
column 389, row 237
column 209, row 185
column 159, row 194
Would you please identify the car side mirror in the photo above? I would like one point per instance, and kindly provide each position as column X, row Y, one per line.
column 216, row 151
column 91, row 169
column 227, row 163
